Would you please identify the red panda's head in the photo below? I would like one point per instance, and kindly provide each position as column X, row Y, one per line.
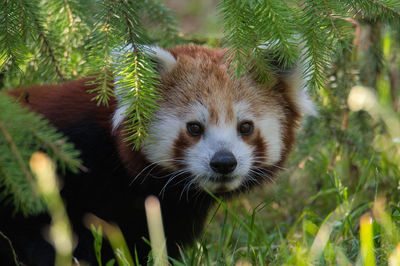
column 226, row 134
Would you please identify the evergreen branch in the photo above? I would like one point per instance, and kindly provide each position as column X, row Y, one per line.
column 100, row 45
column 384, row 10
column 239, row 33
column 130, row 27
column 382, row 6
column 24, row 133
column 254, row 29
column 137, row 90
column 11, row 43
column 49, row 49
column 71, row 28
column 137, row 76
column 280, row 30
column 12, row 187
column 74, row 163
column 18, row 157
column 70, row 16
column 319, row 40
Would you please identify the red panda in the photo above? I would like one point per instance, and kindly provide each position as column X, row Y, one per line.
column 211, row 133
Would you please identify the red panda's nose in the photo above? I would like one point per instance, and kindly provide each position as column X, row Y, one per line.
column 223, row 162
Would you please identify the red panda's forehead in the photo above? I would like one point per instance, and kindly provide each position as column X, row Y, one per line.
column 202, row 81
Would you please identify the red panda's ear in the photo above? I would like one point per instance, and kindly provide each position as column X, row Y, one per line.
column 164, row 60
column 296, row 90
column 293, row 78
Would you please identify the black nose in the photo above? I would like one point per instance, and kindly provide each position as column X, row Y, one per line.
column 223, row 162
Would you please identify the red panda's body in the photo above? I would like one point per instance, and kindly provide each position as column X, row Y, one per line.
column 211, row 132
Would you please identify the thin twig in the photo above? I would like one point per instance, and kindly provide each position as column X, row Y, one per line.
column 49, row 50
column 12, row 248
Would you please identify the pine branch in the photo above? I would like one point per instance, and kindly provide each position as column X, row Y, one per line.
column 23, row 133
column 252, row 27
column 12, row 45
column 386, row 10
column 25, row 197
column 133, row 69
column 47, row 47
column 17, row 155
column 320, row 35
column 137, row 90
column 67, row 31
column 100, row 44
column 59, row 152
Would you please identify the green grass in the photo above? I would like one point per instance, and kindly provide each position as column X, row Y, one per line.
column 301, row 226
column 336, row 203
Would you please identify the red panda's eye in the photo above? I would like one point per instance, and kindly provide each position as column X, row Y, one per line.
column 246, row 128
column 194, row 129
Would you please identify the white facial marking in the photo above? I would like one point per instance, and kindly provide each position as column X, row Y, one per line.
column 163, row 132
column 271, row 131
column 270, row 126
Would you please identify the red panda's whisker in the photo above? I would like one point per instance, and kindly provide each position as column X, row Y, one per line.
column 187, row 188
column 153, row 166
column 179, row 173
column 257, row 160
column 279, row 167
column 260, row 172
column 260, row 167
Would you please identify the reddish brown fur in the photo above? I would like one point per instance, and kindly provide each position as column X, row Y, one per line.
column 182, row 142
column 65, row 103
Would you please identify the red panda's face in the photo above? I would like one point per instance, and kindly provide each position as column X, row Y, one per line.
column 226, row 134
column 225, row 152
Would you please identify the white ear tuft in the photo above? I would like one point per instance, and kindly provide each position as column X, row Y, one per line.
column 118, row 117
column 295, row 80
column 298, row 92
column 164, row 58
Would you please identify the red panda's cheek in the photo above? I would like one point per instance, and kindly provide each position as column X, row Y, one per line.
column 181, row 144
column 268, row 143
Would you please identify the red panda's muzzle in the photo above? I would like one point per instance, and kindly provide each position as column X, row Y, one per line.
column 223, row 162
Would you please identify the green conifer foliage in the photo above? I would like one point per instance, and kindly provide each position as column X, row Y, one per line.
column 52, row 41
column 44, row 41
column 22, row 133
